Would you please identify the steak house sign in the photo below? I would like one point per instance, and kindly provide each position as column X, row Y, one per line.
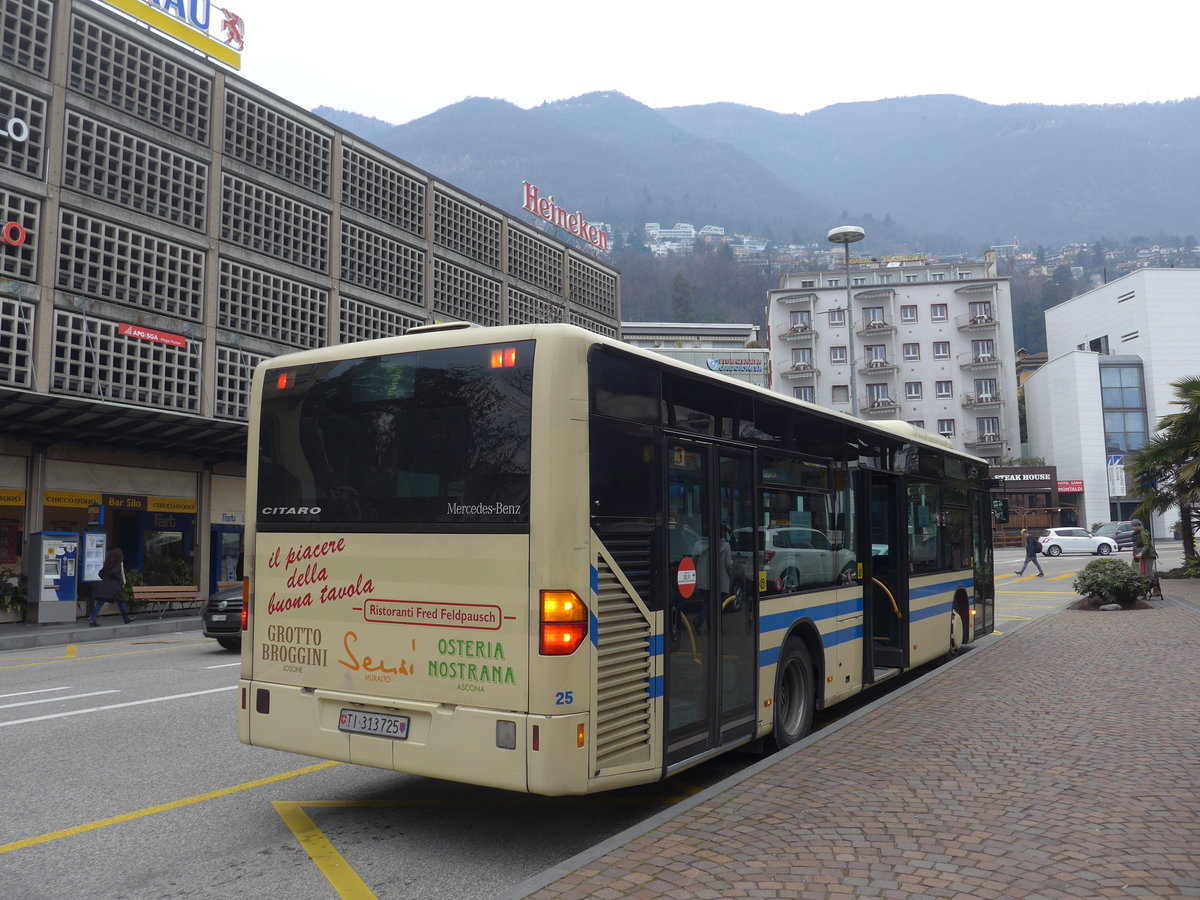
column 560, row 218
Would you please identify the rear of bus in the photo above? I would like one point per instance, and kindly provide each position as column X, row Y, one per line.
column 395, row 619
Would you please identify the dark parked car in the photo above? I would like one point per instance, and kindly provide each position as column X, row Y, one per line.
column 1121, row 532
column 223, row 618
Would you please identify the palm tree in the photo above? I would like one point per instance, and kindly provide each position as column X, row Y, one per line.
column 1166, row 472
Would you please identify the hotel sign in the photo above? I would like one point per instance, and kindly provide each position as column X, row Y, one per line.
column 208, row 28
column 560, row 218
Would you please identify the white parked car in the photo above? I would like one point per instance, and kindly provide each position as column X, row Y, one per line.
column 794, row 557
column 1057, row 541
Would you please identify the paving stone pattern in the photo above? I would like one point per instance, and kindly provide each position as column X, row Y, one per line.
column 1060, row 762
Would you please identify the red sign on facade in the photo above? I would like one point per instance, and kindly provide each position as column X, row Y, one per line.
column 1070, row 487
column 149, row 334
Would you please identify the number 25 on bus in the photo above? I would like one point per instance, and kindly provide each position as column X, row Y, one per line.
column 534, row 558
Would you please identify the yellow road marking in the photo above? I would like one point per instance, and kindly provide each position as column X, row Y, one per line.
column 161, row 808
column 321, row 851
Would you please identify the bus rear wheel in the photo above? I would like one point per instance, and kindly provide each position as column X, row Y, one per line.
column 795, row 694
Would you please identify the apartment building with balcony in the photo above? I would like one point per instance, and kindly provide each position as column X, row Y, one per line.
column 929, row 344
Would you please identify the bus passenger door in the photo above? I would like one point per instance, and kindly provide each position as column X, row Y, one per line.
column 885, row 582
column 711, row 608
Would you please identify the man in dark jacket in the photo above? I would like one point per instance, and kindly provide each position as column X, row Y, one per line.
column 1032, row 549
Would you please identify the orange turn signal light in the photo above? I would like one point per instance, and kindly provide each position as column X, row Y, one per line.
column 564, row 623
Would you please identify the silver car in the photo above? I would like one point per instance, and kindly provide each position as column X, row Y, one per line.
column 794, row 558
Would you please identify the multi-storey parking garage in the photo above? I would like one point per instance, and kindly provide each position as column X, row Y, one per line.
column 166, row 225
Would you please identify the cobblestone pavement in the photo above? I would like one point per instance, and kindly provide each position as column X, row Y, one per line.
column 1059, row 762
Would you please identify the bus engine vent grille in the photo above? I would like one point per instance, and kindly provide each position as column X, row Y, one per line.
column 623, row 703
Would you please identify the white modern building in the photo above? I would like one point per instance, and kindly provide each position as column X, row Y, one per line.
column 714, row 346
column 926, row 343
column 1113, row 354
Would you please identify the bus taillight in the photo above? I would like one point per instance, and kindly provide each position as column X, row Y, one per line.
column 245, row 604
column 504, row 357
column 564, row 623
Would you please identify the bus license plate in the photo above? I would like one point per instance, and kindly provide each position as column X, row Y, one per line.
column 378, row 724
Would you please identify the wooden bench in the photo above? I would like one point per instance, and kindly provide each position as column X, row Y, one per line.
column 166, row 594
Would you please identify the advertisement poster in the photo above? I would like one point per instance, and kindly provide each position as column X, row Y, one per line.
column 94, row 548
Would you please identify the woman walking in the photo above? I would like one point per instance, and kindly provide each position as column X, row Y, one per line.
column 111, row 588
column 1032, row 549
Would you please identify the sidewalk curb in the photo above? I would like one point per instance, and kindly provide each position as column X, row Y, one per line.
column 28, row 636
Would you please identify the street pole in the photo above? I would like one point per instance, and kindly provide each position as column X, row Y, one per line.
column 847, row 235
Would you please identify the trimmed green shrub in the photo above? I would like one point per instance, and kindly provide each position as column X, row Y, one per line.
column 1111, row 580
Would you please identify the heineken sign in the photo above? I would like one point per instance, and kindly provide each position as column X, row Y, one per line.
column 574, row 222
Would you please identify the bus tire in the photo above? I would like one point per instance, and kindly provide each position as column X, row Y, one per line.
column 958, row 635
column 795, row 694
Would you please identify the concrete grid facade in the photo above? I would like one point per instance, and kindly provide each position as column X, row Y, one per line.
column 932, row 345
column 168, row 225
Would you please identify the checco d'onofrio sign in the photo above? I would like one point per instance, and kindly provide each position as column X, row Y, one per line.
column 575, row 223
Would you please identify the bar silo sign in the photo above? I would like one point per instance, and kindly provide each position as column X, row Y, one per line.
column 201, row 24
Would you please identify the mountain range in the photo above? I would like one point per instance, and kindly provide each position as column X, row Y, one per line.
column 938, row 172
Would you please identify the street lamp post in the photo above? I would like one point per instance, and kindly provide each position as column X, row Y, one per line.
column 847, row 235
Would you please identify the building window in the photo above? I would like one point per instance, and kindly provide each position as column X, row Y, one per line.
column 802, row 356
column 885, row 278
column 841, row 393
column 912, row 352
column 946, row 427
column 986, row 390
column 803, row 393
column 908, row 314
column 1123, row 401
column 876, row 353
column 858, row 280
column 912, row 390
column 939, row 312
column 941, row 349
column 872, row 315
column 833, row 282
column 983, row 351
column 837, row 318
column 981, row 311
column 877, row 394
column 917, row 423
column 801, row 319
column 989, row 427
column 944, row 389
column 911, row 278
column 810, row 283
column 963, row 276
column 938, row 276
column 837, row 356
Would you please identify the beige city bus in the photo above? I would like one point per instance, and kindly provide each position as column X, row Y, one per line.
column 534, row 558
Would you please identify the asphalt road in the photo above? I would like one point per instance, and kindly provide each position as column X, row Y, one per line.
column 124, row 778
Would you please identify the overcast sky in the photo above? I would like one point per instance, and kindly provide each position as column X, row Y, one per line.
column 399, row 60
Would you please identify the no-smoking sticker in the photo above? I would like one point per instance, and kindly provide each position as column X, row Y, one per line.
column 686, row 577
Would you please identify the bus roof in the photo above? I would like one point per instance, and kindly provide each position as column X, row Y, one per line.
column 468, row 333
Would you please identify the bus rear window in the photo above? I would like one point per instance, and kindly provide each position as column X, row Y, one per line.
column 434, row 438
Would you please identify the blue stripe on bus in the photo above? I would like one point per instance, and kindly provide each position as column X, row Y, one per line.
column 656, row 687
column 592, row 620
column 768, row 656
